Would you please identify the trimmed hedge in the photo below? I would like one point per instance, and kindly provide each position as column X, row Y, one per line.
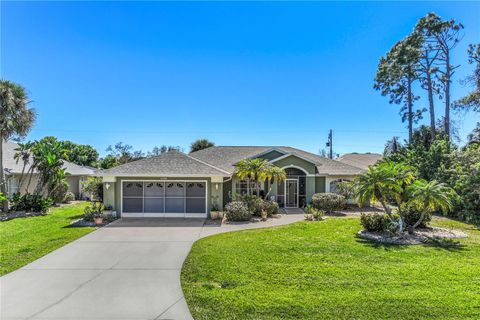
column 328, row 202
column 375, row 222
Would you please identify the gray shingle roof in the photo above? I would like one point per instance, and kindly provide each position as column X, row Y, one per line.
column 11, row 165
column 225, row 157
column 172, row 163
column 360, row 160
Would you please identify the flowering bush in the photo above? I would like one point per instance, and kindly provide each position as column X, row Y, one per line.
column 237, row 211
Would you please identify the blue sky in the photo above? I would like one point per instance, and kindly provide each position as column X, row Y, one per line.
column 249, row 73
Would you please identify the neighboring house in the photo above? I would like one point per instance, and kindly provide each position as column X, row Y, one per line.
column 13, row 170
column 360, row 160
column 175, row 184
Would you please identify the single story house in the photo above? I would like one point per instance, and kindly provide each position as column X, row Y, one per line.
column 13, row 171
column 175, row 184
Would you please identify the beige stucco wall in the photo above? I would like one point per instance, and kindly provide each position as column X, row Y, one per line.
column 73, row 184
column 109, row 195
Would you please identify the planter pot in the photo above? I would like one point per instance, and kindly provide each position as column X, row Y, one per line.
column 98, row 221
column 214, row 215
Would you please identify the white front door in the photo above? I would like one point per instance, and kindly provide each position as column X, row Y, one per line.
column 291, row 193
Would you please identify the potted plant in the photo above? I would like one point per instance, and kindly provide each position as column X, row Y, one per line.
column 95, row 211
column 214, row 213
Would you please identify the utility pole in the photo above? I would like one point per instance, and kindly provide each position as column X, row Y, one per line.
column 330, row 144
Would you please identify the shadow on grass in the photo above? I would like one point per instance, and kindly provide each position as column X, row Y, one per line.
column 78, row 216
column 380, row 245
column 445, row 244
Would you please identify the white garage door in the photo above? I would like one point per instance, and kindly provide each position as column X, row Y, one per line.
column 164, row 198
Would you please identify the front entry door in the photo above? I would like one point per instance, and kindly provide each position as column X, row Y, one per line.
column 291, row 193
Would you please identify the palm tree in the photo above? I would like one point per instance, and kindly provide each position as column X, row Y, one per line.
column 258, row 170
column 48, row 157
column 376, row 185
column 201, row 144
column 428, row 197
column 274, row 174
column 16, row 119
column 23, row 153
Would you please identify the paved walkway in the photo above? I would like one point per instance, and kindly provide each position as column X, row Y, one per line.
column 127, row 270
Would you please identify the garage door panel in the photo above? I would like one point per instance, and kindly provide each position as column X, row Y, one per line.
column 132, row 205
column 196, row 189
column 175, row 205
column 195, row 205
column 154, row 189
column 154, row 205
column 175, row 189
column 133, row 189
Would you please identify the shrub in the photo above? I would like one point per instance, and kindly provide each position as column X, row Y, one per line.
column 411, row 215
column 346, row 189
column 254, row 204
column 93, row 210
column 375, row 222
column 60, row 192
column 313, row 214
column 328, row 202
column 270, row 207
column 94, row 187
column 237, row 211
column 31, row 203
column 69, row 197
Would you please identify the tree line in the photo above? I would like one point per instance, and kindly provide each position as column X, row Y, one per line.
column 422, row 63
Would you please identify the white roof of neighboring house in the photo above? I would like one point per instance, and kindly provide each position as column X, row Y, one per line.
column 360, row 160
column 10, row 165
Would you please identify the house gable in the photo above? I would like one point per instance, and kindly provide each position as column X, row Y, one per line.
column 296, row 162
column 271, row 155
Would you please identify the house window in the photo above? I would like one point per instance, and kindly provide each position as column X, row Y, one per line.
column 333, row 184
column 243, row 187
column 13, row 186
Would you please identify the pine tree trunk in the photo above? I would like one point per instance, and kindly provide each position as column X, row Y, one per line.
column 431, row 105
column 410, row 111
column 447, row 94
column 428, row 75
column 3, row 182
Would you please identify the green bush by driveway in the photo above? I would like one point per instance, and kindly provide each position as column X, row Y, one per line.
column 24, row 240
column 320, row 270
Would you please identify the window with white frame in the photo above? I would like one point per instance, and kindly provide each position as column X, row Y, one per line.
column 333, row 184
column 12, row 186
column 243, row 187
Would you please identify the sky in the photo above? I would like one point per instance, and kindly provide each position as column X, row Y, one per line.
column 237, row 73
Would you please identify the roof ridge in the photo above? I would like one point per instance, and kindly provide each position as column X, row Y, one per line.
column 205, row 163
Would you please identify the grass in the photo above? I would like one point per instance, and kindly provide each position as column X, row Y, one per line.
column 320, row 270
column 24, row 240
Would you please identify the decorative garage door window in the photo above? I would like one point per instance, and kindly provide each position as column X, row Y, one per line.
column 164, row 197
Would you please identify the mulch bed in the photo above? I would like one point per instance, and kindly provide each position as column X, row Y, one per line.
column 254, row 219
column 420, row 236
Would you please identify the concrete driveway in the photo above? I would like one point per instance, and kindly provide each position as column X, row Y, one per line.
column 127, row 270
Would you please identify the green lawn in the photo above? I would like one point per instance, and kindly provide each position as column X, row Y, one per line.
column 320, row 270
column 23, row 240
